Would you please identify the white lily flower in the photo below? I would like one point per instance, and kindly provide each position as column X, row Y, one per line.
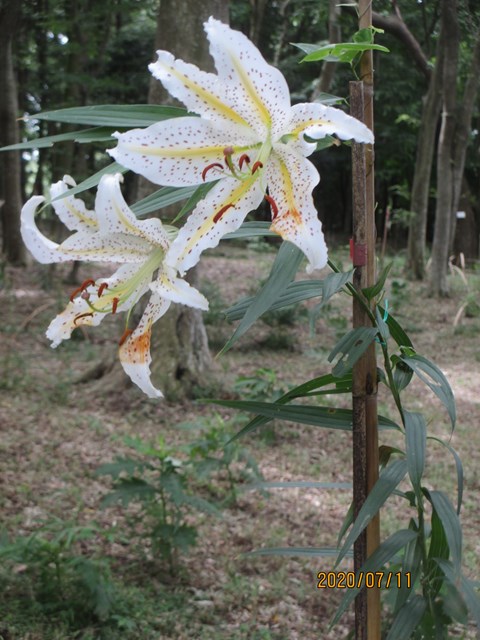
column 248, row 137
column 111, row 233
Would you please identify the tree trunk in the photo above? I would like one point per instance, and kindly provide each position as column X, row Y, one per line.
column 417, row 233
column 462, row 132
column 181, row 357
column 444, row 207
column 10, row 168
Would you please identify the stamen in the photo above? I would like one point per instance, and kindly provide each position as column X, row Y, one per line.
column 102, row 288
column 210, row 166
column 126, row 334
column 227, row 154
column 257, row 165
column 85, row 295
column 220, row 213
column 243, row 158
column 81, row 289
column 115, row 302
column 273, row 205
column 82, row 315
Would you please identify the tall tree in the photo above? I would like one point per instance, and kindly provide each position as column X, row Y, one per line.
column 10, row 168
column 445, row 152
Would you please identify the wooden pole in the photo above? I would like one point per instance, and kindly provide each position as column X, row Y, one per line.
column 364, row 400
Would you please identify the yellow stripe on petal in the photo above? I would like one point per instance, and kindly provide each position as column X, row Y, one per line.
column 252, row 92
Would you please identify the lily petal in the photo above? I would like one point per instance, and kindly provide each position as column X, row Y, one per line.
column 115, row 216
column 135, row 351
column 176, row 152
column 291, row 179
column 101, row 247
column 222, row 210
column 72, row 211
column 255, row 89
column 317, row 121
column 41, row 248
column 178, row 290
column 64, row 323
column 200, row 92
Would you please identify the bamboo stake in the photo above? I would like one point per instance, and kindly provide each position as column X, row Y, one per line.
column 365, row 422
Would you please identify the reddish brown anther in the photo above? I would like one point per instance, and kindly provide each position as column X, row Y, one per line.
column 115, row 302
column 82, row 315
column 210, row 166
column 102, row 288
column 243, row 158
column 257, row 165
column 220, row 213
column 273, row 206
column 126, row 334
column 81, row 289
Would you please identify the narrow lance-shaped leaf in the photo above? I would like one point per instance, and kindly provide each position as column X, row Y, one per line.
column 408, row 618
column 373, row 291
column 459, row 467
column 389, row 478
column 431, row 375
column 383, row 554
column 466, row 588
column 352, row 346
column 416, row 438
column 163, row 197
column 283, row 270
column 111, row 115
column 451, row 525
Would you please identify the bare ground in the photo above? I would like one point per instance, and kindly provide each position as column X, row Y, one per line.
column 55, row 434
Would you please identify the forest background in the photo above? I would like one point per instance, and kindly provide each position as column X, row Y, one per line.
column 60, row 54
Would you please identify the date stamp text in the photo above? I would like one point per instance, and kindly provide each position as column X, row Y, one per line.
column 368, row 579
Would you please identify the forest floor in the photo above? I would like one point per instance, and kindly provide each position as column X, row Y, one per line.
column 72, row 569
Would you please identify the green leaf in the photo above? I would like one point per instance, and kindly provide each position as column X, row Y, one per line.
column 347, row 522
column 326, row 417
column 352, row 346
column 164, row 197
column 95, row 134
column 127, row 490
column 389, row 478
column 450, row 523
column 251, row 230
column 342, row 52
column 438, row 549
column 121, row 465
column 431, row 375
column 329, row 552
column 372, row 292
column 416, row 441
column 459, row 466
column 306, row 389
column 382, row 326
column 283, row 271
column 408, row 618
column 294, row 293
column 402, row 374
column 396, row 331
column 92, row 181
column 198, row 194
column 465, row 586
column 411, row 563
column 111, row 115
column 379, row 558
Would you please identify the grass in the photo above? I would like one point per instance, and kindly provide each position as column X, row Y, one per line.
column 55, row 434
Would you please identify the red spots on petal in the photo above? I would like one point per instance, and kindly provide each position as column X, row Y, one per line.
column 220, row 213
column 126, row 334
column 137, row 349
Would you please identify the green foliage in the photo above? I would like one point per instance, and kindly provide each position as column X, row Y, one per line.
column 162, row 488
column 55, row 576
